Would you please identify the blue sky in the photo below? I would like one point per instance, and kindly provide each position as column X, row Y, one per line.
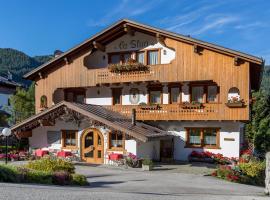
column 39, row 27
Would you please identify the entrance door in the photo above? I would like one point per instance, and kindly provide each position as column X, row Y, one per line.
column 92, row 146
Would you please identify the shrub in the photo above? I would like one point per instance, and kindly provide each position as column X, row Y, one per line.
column 254, row 172
column 78, row 179
column 147, row 162
column 40, row 177
column 49, row 164
column 61, row 178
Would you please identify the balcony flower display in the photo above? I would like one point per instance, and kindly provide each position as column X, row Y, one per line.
column 193, row 104
column 235, row 102
column 129, row 66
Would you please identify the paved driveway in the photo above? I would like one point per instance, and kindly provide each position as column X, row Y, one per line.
column 115, row 184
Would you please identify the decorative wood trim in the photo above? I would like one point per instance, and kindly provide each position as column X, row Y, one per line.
column 99, row 46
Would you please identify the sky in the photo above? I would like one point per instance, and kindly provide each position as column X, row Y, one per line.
column 39, row 27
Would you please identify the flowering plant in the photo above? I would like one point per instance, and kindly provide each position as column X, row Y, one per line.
column 130, row 65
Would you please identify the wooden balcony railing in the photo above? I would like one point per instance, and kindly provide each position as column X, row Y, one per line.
column 170, row 112
column 155, row 73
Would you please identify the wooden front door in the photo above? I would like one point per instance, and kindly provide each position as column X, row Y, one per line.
column 92, row 148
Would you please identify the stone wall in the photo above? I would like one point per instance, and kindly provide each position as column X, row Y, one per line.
column 267, row 173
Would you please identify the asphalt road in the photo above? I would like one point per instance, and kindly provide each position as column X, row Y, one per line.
column 115, row 184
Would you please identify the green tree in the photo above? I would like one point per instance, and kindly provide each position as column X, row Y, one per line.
column 258, row 130
column 23, row 104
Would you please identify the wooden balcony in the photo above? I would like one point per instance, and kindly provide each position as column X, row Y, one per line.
column 170, row 112
column 155, row 73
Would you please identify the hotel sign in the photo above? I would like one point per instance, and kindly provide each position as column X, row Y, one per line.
column 133, row 44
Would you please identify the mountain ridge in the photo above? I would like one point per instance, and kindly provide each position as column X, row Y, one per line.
column 18, row 63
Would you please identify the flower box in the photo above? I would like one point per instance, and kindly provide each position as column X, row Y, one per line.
column 192, row 105
column 152, row 107
column 129, row 66
column 235, row 104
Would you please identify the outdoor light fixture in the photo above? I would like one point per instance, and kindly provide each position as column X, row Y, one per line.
column 6, row 132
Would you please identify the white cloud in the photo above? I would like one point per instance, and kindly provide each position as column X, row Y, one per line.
column 251, row 25
column 216, row 24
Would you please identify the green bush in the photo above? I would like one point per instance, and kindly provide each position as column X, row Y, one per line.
column 78, row 179
column 34, row 176
column 254, row 172
column 8, row 173
column 49, row 164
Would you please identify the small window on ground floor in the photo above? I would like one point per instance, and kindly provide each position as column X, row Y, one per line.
column 69, row 138
column 116, row 140
column 202, row 137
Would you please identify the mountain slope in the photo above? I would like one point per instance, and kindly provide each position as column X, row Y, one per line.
column 18, row 63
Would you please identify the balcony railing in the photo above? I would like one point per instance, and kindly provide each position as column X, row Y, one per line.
column 155, row 73
column 170, row 111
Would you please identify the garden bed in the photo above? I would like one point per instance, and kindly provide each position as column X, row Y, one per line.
column 44, row 171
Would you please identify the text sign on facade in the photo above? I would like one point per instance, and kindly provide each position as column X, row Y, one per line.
column 133, row 44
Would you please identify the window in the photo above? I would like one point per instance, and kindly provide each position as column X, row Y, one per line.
column 155, row 97
column 119, row 57
column 115, row 58
column 69, row 138
column 212, row 91
column 116, row 95
column 197, row 93
column 116, row 140
column 152, row 57
column 203, row 137
column 75, row 95
column 140, row 57
column 234, row 94
column 43, row 102
column 175, row 95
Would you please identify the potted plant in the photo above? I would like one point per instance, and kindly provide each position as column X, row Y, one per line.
column 147, row 164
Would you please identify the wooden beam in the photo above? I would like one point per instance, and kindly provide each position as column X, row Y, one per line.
column 129, row 30
column 237, row 61
column 40, row 75
column 197, row 49
column 160, row 39
column 99, row 46
column 67, row 60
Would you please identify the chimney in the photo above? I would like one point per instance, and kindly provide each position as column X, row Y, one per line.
column 57, row 53
column 133, row 117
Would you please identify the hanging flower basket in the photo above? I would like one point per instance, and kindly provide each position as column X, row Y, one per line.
column 129, row 66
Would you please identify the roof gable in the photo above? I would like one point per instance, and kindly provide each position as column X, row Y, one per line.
column 127, row 26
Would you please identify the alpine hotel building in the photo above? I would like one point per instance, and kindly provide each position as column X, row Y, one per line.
column 139, row 89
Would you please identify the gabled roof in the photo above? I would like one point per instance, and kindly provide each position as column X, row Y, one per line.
column 117, row 29
column 9, row 83
column 140, row 131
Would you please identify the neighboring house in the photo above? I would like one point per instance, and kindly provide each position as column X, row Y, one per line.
column 7, row 88
column 139, row 89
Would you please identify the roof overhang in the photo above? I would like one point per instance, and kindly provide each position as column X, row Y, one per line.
column 114, row 120
column 124, row 26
